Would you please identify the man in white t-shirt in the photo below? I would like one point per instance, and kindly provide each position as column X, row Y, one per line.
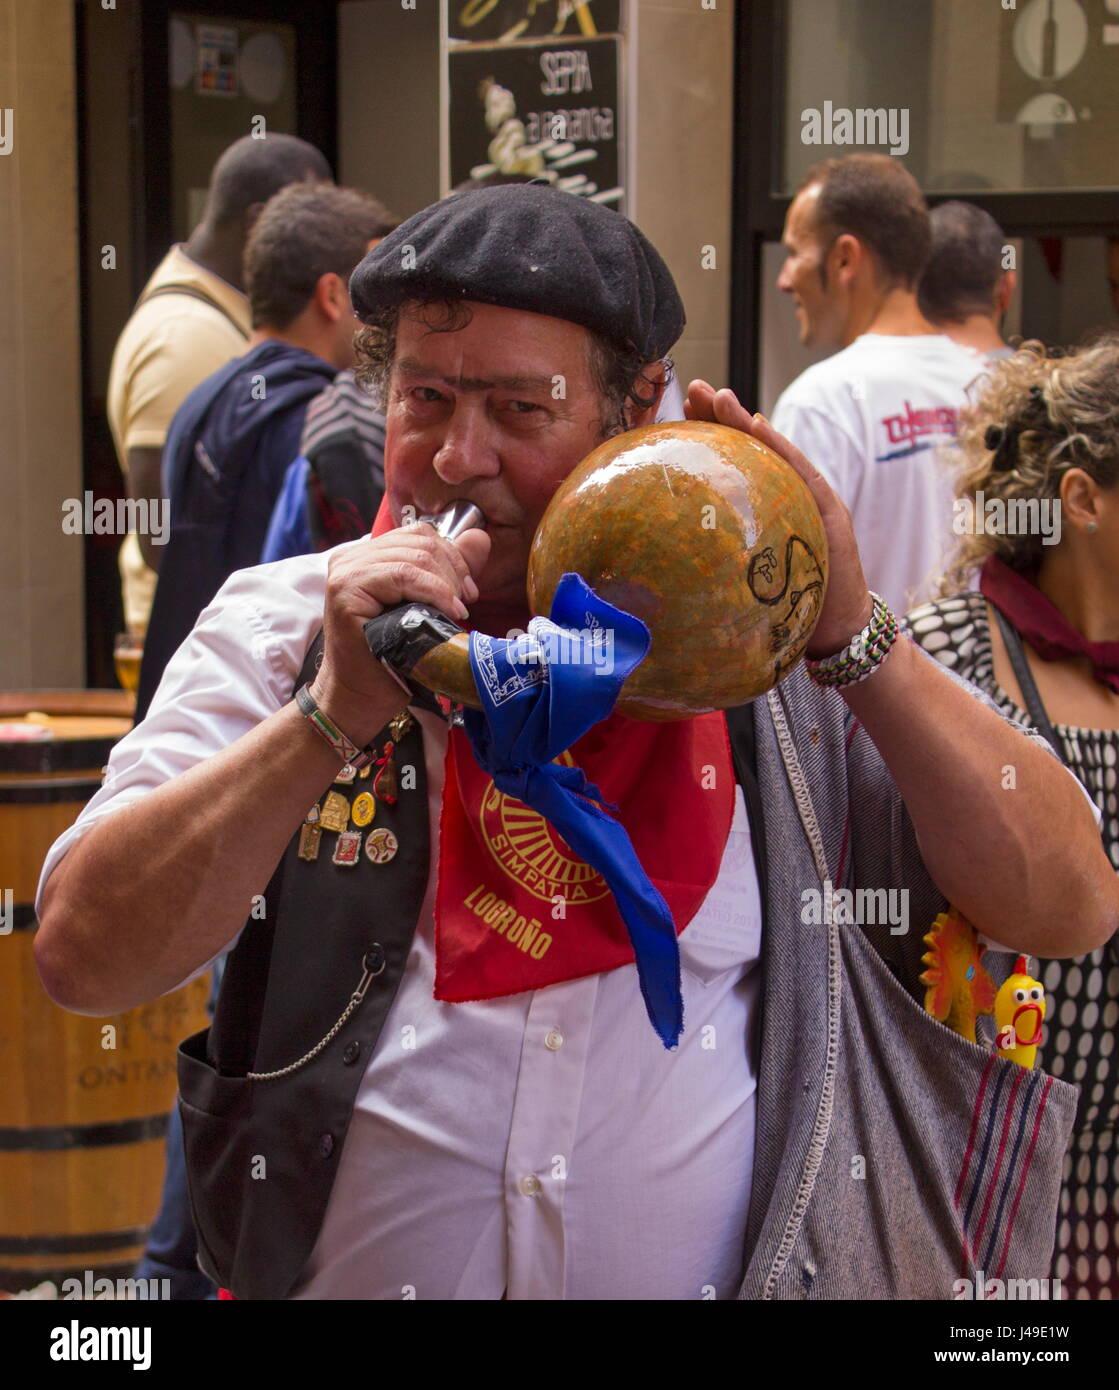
column 874, row 417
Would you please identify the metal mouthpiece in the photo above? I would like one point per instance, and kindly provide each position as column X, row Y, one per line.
column 460, row 516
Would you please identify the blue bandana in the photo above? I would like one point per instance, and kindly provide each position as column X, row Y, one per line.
column 540, row 694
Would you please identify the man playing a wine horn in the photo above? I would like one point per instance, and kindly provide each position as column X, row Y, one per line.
column 431, row 1072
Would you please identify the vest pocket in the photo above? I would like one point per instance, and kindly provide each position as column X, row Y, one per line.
column 217, row 1134
column 261, row 1159
column 202, row 1086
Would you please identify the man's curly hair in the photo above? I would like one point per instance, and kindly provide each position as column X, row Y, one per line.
column 617, row 373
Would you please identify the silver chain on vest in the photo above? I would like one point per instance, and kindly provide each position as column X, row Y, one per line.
column 355, row 999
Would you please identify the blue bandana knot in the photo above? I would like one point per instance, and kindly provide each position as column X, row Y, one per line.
column 540, row 693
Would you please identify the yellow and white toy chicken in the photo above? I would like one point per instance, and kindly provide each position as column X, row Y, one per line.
column 1019, row 1011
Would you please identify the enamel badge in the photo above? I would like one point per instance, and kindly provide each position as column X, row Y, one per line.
column 348, row 848
column 310, row 837
column 380, row 846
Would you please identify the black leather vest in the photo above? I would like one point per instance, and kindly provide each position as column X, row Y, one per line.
column 262, row 1150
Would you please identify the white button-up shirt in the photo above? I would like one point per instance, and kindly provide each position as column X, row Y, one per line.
column 542, row 1145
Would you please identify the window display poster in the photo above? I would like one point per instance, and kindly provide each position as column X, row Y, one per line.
column 548, row 110
column 215, row 72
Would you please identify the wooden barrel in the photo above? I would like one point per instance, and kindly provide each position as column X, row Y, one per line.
column 83, row 1101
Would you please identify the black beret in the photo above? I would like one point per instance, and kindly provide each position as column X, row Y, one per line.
column 529, row 246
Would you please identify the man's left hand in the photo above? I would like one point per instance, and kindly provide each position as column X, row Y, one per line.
column 847, row 602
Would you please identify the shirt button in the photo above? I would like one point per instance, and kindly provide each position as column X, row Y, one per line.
column 350, row 1056
column 530, row 1185
column 554, row 1040
column 326, row 1145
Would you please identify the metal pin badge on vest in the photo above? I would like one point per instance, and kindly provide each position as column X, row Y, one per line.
column 403, row 635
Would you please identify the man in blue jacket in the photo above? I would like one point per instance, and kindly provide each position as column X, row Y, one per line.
column 235, row 435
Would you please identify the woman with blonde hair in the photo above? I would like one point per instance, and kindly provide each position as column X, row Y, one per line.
column 1037, row 511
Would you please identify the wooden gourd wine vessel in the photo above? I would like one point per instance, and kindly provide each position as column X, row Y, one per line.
column 703, row 533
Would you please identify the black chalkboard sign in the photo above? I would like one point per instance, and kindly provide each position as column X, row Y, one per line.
column 505, row 21
column 549, row 110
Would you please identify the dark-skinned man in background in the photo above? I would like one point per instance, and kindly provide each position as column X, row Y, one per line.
column 191, row 318
column 235, row 436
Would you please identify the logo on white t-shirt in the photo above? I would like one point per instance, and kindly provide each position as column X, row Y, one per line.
column 910, row 431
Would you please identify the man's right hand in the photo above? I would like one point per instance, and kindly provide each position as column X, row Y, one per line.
column 412, row 564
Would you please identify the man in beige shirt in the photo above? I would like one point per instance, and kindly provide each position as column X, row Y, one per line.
column 191, row 319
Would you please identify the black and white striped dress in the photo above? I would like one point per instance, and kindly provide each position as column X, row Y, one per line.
column 1082, row 1013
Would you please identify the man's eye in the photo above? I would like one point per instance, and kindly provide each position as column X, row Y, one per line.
column 427, row 395
column 523, row 407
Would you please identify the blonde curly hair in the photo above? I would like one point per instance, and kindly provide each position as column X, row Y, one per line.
column 1038, row 414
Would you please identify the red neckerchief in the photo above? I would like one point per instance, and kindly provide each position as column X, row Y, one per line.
column 516, row 910
column 1040, row 623
column 382, row 522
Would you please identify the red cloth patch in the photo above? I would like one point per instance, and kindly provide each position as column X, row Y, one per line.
column 383, row 521
column 516, row 909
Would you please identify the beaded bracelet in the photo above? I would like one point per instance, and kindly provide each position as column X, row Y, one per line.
column 862, row 656
column 326, row 728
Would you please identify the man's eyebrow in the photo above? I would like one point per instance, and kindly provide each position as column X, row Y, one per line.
column 412, row 366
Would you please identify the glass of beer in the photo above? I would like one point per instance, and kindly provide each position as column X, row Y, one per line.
column 127, row 651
